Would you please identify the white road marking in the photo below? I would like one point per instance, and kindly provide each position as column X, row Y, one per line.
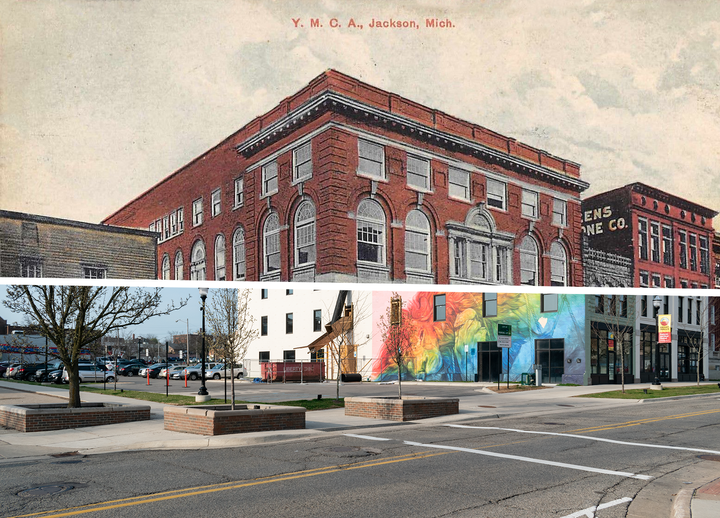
column 366, row 437
column 588, row 437
column 534, row 461
column 590, row 511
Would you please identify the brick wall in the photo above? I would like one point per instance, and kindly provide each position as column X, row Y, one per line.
column 39, row 418
column 406, row 409
column 220, row 420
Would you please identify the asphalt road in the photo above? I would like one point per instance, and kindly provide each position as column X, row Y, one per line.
column 485, row 468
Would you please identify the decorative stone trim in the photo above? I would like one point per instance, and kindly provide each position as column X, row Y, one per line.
column 220, row 420
column 45, row 417
column 409, row 408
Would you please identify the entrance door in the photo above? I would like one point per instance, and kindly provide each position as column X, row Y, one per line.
column 551, row 355
column 488, row 361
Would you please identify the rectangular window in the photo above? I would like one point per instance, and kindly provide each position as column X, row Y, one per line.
column 655, row 241
column 30, row 268
column 371, row 159
column 529, row 204
column 92, row 272
column 264, row 356
column 683, row 248
column 600, row 304
column 668, row 281
column 642, row 238
column 180, row 219
column 644, row 306
column 418, row 173
column 622, row 305
column 693, row 252
column 501, row 265
column 215, row 201
column 683, row 283
column 559, row 215
column 549, row 303
column 478, row 261
column 681, row 311
column 269, row 178
column 490, row 307
column 459, row 183
column 289, row 356
column 151, row 228
column 712, row 315
column 302, row 162
column 317, row 320
column 656, row 280
column 689, row 310
column 288, row 292
column 667, row 245
column 197, row 207
column 704, row 256
column 263, row 294
column 239, row 194
column 173, row 224
column 166, row 227
column 698, row 306
column 459, row 258
column 644, row 279
column 288, row 323
column 263, row 326
column 439, row 308
column 496, row 194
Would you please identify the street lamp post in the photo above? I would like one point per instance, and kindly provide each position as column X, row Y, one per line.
column 657, row 300
column 203, row 393
column 139, row 342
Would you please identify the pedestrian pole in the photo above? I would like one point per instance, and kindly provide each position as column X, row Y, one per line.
column 147, row 370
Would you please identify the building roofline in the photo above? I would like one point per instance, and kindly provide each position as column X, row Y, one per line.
column 36, row 218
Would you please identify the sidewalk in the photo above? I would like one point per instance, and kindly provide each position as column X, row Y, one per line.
column 703, row 499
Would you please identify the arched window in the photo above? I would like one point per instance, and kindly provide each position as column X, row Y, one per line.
column 197, row 265
column 220, row 258
column 271, row 237
column 305, row 234
column 417, row 241
column 239, row 255
column 529, row 262
column 178, row 266
column 166, row 268
column 558, row 264
column 371, row 232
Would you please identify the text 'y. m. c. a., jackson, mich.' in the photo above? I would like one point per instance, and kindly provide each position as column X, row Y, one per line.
column 373, row 23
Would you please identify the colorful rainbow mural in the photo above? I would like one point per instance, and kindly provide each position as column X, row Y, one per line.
column 439, row 350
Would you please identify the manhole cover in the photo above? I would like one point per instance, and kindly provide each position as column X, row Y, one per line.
column 486, row 406
column 45, row 490
column 716, row 458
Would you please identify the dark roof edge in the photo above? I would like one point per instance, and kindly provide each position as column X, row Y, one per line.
column 36, row 218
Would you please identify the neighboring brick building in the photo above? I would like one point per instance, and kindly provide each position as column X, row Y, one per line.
column 345, row 182
column 40, row 246
column 667, row 238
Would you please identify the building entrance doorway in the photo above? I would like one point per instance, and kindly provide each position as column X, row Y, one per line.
column 489, row 357
column 550, row 354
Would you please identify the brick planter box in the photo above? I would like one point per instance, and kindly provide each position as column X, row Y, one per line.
column 220, row 420
column 409, row 408
column 53, row 416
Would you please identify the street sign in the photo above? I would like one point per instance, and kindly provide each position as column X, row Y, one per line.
column 504, row 335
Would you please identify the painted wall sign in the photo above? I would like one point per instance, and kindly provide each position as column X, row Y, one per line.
column 601, row 220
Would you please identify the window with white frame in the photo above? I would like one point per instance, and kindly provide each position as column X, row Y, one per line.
column 94, row 272
column 239, row 254
column 305, row 234
column 459, row 183
column 459, row 251
column 655, row 241
column 220, row 257
column 197, row 258
column 644, row 279
column 667, row 245
column 180, row 219
column 418, row 173
column 558, row 264
column 302, row 162
column 529, row 261
column 166, row 268
column 693, row 251
column 30, row 267
column 642, row 238
column 197, row 208
column 559, row 215
column 239, row 194
column 417, row 241
column 151, row 228
column 166, row 227
column 704, row 255
column 529, row 203
column 215, row 199
column 173, row 223
column 178, row 266
column 370, row 232
column 271, row 238
column 270, row 178
column 496, row 194
column 371, row 159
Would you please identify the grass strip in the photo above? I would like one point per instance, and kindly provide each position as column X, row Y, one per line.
column 654, row 394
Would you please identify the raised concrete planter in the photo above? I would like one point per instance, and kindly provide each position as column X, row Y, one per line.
column 409, row 408
column 57, row 416
column 220, row 420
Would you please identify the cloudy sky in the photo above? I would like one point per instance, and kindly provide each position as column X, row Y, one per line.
column 99, row 100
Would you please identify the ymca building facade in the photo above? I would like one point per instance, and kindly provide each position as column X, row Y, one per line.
column 344, row 182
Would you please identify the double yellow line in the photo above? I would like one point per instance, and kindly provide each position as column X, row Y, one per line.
column 213, row 488
column 640, row 422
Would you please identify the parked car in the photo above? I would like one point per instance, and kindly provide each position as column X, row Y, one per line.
column 55, row 376
column 173, row 369
column 3, row 367
column 26, row 371
column 90, row 373
column 154, row 370
column 131, row 368
column 221, row 371
column 10, row 372
column 193, row 372
column 42, row 369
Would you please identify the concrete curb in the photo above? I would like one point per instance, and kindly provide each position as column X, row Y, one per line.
column 681, row 503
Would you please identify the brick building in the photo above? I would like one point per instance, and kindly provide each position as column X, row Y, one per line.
column 345, row 182
column 667, row 238
column 40, row 246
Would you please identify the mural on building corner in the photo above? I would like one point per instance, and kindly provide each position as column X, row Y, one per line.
column 439, row 351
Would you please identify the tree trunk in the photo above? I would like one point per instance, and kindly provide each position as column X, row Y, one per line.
column 232, row 384
column 622, row 366
column 697, row 365
column 74, row 389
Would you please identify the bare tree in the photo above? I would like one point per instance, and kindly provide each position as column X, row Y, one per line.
column 232, row 327
column 398, row 333
column 74, row 317
column 614, row 319
column 705, row 319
